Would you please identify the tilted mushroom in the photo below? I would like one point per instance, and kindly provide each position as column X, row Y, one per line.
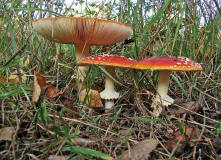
column 110, row 62
column 83, row 32
column 165, row 65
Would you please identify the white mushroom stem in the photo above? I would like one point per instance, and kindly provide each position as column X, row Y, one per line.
column 162, row 99
column 82, row 51
column 109, row 93
column 109, row 104
column 162, row 88
column 163, row 83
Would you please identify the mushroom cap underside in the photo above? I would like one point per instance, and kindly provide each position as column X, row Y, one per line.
column 168, row 63
column 78, row 30
column 108, row 60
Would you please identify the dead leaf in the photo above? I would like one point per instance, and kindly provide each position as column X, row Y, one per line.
column 193, row 135
column 192, row 106
column 171, row 144
column 36, row 90
column 39, row 83
column 190, row 137
column 217, row 142
column 40, row 79
column 140, row 151
column 7, row 133
column 93, row 98
column 68, row 105
column 124, row 132
column 53, row 92
column 82, row 141
column 54, row 157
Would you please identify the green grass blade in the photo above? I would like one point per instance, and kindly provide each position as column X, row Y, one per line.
column 178, row 28
column 43, row 114
column 157, row 16
column 86, row 151
column 11, row 93
column 181, row 127
column 180, row 85
column 144, row 119
column 11, row 31
column 117, row 114
column 116, row 81
column 36, row 9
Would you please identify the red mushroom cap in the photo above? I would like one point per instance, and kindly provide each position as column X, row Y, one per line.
column 79, row 30
column 108, row 60
column 168, row 63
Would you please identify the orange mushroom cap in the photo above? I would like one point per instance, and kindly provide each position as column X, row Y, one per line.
column 108, row 60
column 168, row 63
column 78, row 30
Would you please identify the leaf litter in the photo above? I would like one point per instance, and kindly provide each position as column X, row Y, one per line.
column 139, row 151
column 39, row 83
column 7, row 133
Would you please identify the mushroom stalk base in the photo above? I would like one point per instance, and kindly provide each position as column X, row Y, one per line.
column 162, row 99
column 108, row 104
column 82, row 51
column 109, row 93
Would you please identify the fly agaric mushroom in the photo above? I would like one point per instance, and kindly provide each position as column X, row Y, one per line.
column 83, row 32
column 165, row 65
column 110, row 62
